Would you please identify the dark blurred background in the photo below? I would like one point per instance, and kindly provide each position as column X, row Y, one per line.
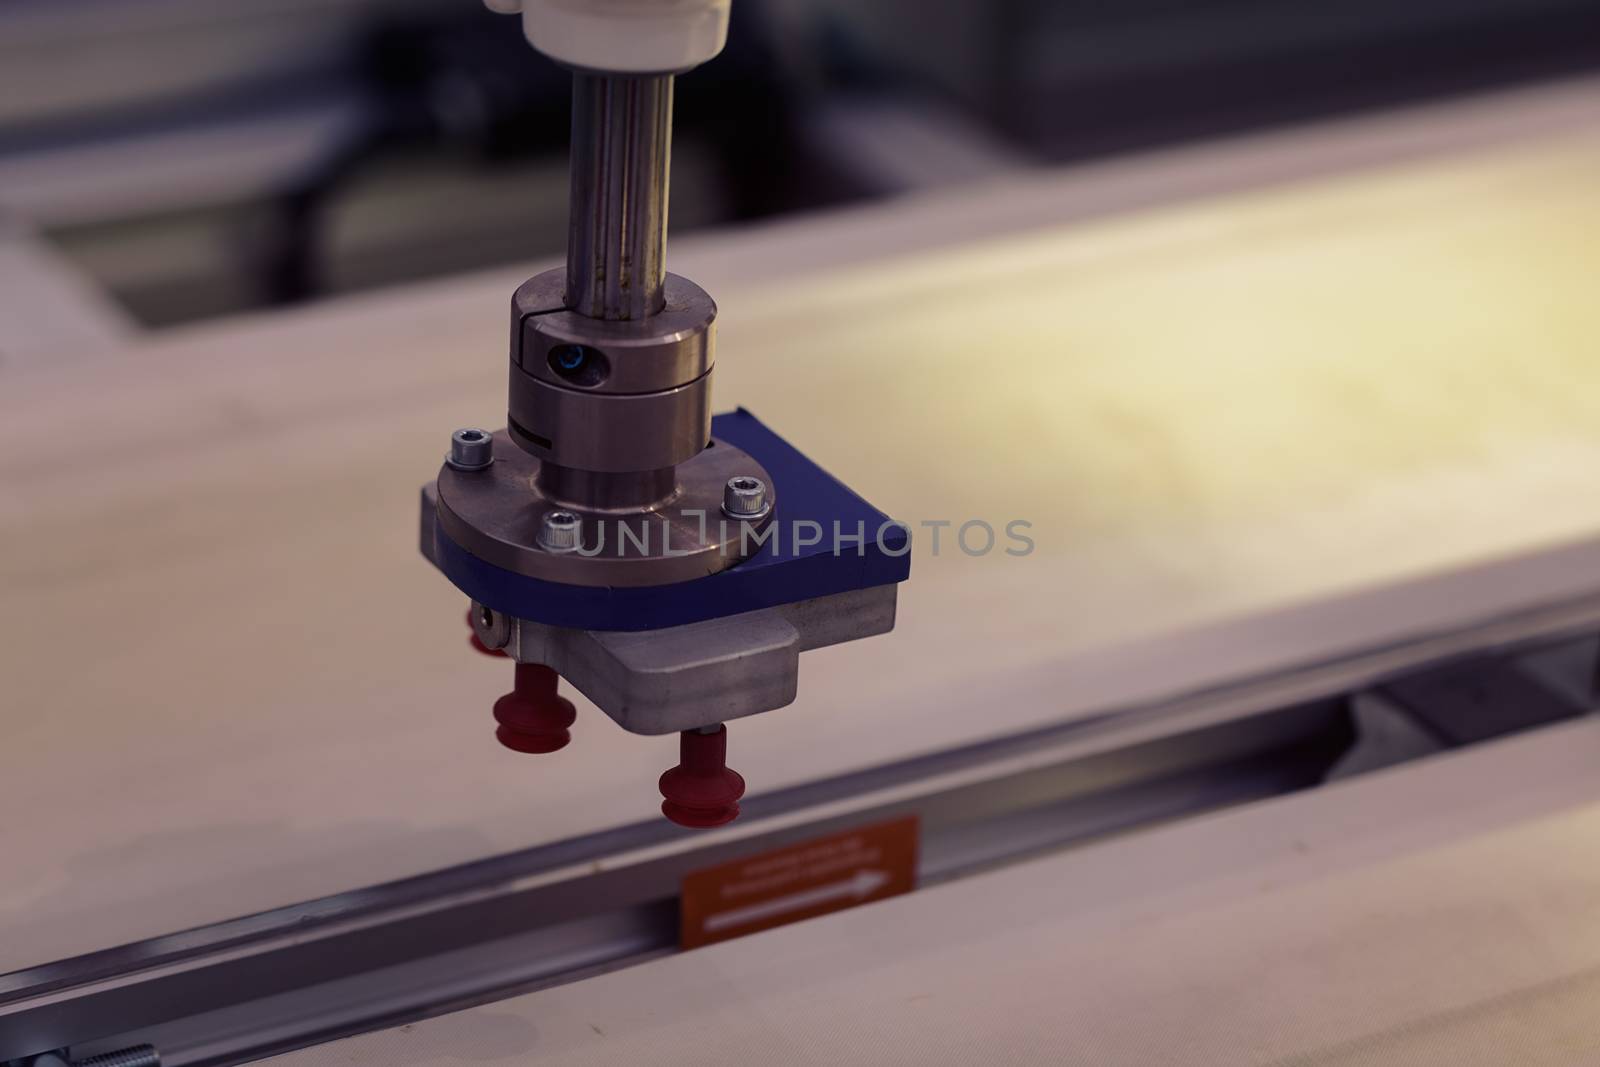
column 196, row 158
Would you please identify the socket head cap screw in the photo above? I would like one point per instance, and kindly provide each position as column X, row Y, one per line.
column 745, row 497
column 471, row 449
column 560, row 531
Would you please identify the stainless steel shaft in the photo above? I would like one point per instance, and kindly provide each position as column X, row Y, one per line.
column 621, row 154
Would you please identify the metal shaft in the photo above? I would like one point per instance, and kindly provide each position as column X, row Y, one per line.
column 617, row 233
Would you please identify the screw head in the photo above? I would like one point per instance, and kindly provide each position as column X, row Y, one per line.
column 745, row 497
column 491, row 627
column 471, row 449
column 560, row 531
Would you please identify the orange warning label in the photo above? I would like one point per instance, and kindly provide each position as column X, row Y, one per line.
column 799, row 881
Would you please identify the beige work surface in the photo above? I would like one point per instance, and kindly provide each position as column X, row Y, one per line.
column 1248, row 431
column 1444, row 914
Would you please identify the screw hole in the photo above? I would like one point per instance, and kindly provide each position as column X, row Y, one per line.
column 579, row 364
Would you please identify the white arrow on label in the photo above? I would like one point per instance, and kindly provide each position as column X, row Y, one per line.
column 863, row 885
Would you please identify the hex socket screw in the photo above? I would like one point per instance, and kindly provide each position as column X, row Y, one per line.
column 560, row 531
column 745, row 497
column 471, row 449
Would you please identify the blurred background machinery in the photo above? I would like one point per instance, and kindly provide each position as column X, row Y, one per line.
column 195, row 159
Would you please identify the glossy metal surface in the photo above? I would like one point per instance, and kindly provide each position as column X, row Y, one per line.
column 699, row 674
column 497, row 514
column 594, row 491
column 621, row 153
column 675, row 346
column 608, row 433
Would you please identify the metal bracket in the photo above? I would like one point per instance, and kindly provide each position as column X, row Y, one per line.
column 698, row 674
column 796, row 559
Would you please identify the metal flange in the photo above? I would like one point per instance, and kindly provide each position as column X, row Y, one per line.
column 503, row 515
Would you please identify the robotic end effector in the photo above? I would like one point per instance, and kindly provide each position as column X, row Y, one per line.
column 670, row 565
